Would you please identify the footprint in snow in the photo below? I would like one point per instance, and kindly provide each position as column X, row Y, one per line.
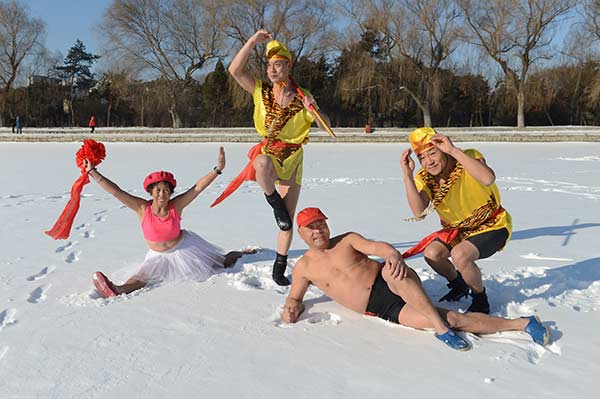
column 88, row 234
column 73, row 257
column 7, row 318
column 42, row 273
column 66, row 247
column 39, row 294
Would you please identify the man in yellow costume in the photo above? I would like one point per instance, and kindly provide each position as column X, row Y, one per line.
column 283, row 118
column 460, row 186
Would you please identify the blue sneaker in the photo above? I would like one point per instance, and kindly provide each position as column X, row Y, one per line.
column 538, row 332
column 453, row 340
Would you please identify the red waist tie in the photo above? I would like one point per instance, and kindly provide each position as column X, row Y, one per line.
column 249, row 173
column 444, row 235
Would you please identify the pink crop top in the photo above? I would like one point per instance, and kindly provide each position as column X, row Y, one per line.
column 161, row 229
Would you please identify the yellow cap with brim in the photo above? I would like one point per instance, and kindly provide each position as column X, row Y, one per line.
column 420, row 139
column 277, row 51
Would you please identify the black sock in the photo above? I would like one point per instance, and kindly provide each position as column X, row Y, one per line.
column 279, row 269
column 282, row 217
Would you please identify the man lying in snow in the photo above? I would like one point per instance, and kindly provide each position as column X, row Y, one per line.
column 341, row 268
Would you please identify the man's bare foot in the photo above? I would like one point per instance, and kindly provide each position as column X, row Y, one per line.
column 233, row 256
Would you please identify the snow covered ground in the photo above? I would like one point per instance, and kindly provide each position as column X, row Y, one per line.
column 223, row 338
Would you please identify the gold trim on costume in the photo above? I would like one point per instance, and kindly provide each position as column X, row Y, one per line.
column 276, row 118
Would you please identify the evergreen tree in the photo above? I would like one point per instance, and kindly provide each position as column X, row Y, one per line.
column 76, row 71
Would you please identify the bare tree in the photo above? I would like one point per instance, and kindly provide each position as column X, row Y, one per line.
column 420, row 34
column 515, row 34
column 172, row 39
column 591, row 17
column 303, row 25
column 19, row 35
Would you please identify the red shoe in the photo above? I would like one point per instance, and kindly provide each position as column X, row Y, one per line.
column 103, row 285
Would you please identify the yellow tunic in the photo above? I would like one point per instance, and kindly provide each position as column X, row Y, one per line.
column 464, row 203
column 290, row 124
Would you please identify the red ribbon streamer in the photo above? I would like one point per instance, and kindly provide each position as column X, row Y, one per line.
column 95, row 153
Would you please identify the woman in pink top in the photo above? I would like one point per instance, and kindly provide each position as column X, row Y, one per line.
column 174, row 254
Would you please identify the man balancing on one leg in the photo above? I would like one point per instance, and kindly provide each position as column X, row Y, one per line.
column 460, row 187
column 283, row 118
column 341, row 268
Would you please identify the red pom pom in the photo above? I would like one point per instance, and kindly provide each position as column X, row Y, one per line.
column 91, row 150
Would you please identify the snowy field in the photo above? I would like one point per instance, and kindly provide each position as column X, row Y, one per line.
column 223, row 338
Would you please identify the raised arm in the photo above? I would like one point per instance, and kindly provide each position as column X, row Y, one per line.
column 237, row 68
column 475, row 167
column 184, row 199
column 392, row 258
column 294, row 307
column 137, row 204
column 417, row 200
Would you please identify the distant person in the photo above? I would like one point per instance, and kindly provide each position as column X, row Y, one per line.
column 283, row 118
column 92, row 124
column 19, row 125
column 460, row 187
column 12, row 123
column 341, row 268
column 174, row 254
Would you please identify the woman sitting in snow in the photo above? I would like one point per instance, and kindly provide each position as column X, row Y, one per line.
column 174, row 254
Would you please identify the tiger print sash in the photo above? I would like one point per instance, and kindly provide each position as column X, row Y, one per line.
column 275, row 120
column 482, row 218
column 438, row 193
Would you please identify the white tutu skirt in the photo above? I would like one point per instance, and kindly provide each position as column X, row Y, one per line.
column 193, row 258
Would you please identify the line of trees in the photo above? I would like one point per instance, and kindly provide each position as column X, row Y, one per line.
column 378, row 62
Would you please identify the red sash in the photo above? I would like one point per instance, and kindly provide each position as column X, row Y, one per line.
column 444, row 235
column 249, row 173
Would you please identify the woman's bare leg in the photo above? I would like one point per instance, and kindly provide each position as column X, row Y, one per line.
column 129, row 286
column 232, row 256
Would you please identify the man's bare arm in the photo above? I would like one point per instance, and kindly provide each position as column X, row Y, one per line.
column 393, row 259
column 294, row 307
column 417, row 200
column 475, row 167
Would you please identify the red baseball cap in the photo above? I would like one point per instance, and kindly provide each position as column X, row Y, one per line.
column 156, row 177
column 308, row 215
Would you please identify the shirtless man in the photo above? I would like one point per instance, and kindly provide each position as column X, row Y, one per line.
column 341, row 268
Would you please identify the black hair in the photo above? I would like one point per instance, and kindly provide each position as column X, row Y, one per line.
column 150, row 187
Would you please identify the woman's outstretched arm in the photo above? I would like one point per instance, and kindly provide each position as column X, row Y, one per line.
column 184, row 199
column 137, row 204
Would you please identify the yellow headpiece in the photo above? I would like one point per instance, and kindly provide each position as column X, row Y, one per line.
column 277, row 51
column 420, row 139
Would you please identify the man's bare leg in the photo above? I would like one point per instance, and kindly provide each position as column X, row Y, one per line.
column 290, row 192
column 477, row 323
column 411, row 291
column 436, row 255
column 266, row 177
column 265, row 173
column 464, row 256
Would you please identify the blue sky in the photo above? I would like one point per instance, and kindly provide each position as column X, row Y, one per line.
column 69, row 20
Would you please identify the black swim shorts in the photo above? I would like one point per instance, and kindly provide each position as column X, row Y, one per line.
column 383, row 303
column 487, row 243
